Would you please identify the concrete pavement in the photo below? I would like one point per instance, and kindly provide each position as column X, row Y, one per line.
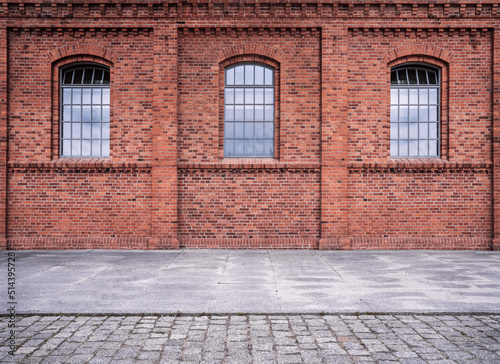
column 255, row 281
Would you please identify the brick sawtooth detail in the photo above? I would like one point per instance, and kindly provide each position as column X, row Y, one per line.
column 83, row 165
column 419, row 166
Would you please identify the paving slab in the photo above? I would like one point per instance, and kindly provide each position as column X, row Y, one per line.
column 246, row 281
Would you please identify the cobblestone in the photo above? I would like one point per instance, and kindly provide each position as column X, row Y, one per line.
column 256, row 339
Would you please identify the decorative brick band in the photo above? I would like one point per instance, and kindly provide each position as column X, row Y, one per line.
column 406, row 243
column 419, row 166
column 248, row 243
column 418, row 32
column 82, row 165
column 260, row 31
column 83, row 32
column 91, row 243
column 244, row 166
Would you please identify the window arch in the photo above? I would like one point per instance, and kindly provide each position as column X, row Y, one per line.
column 249, row 110
column 415, row 111
column 85, row 111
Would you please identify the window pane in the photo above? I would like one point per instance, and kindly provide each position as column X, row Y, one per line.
column 239, row 147
column 87, row 92
column 433, row 113
column 96, row 113
column 238, row 113
column 394, row 96
column 433, row 131
column 249, row 96
column 259, row 147
column 76, row 115
column 77, row 96
column 424, row 148
column 105, row 96
column 77, row 80
column 239, row 129
column 106, row 78
column 68, row 77
column 98, row 77
column 259, row 75
column 96, row 131
column 424, row 96
column 433, row 96
column 269, row 77
column 86, row 111
column 413, row 113
column 86, row 131
column 239, row 94
column 248, row 130
column 67, row 96
column 96, row 96
column 432, row 77
column 268, row 130
column 403, row 148
column 403, row 131
column 269, row 148
column 76, row 148
column 259, row 113
column 87, row 76
column 394, row 148
column 66, row 148
column 423, row 130
column 403, row 113
column 229, row 113
column 105, row 148
column 413, row 131
column 413, row 148
column 105, row 130
column 96, row 148
column 228, row 147
column 76, row 130
column 412, row 76
column 259, row 95
column 105, row 113
column 230, row 76
column 239, row 75
column 423, row 114
column 402, row 77
column 269, row 113
column 269, row 96
column 86, row 147
column 248, row 75
column 229, row 98
column 422, row 77
column 403, row 96
column 394, row 78
column 414, row 96
column 433, row 148
column 394, row 131
column 259, row 130
column 249, row 147
column 229, row 130
column 249, row 113
column 394, row 114
column 66, row 113
column 66, row 130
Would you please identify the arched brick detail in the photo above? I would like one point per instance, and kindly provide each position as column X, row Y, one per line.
column 82, row 49
column 250, row 48
column 418, row 50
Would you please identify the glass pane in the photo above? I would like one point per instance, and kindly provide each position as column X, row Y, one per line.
column 105, row 113
column 105, row 148
column 66, row 148
column 96, row 131
column 402, row 77
column 96, row 96
column 259, row 95
column 394, row 96
column 66, row 113
column 433, row 131
column 403, row 148
column 413, row 131
column 433, row 96
column 77, row 80
column 230, row 76
column 259, row 113
column 98, row 77
column 76, row 148
column 76, row 130
column 403, row 131
column 239, row 75
column 66, row 130
column 433, row 113
column 248, row 130
column 403, row 96
column 432, row 77
column 248, row 74
column 228, row 148
column 269, row 77
column 229, row 130
column 433, row 152
column 422, row 77
column 238, row 113
column 259, row 130
column 269, row 113
column 413, row 113
column 423, row 114
column 259, row 147
column 413, row 148
column 424, row 96
column 394, row 78
column 249, row 147
column 412, row 76
column 423, row 130
column 77, row 113
column 239, row 94
column 229, row 98
column 394, row 114
column 239, row 129
column 229, row 113
column 269, row 96
column 394, row 148
column 96, row 113
column 87, row 92
column 86, row 147
column 394, row 131
column 87, row 76
column 403, row 113
column 86, row 131
column 424, row 148
column 105, row 96
column 68, row 76
column 96, row 148
column 105, row 131
column 77, row 96
column 86, row 111
column 239, row 147
column 67, row 96
column 249, row 96
column 414, row 96
column 249, row 113
column 259, row 75
column 106, row 78
column 269, row 130
column 268, row 148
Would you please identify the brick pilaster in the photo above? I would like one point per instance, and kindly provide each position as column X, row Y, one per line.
column 3, row 136
column 496, row 139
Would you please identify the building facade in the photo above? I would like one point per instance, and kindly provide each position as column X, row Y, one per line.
column 250, row 124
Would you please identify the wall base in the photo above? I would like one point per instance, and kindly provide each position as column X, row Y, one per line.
column 91, row 243
column 354, row 243
column 249, row 243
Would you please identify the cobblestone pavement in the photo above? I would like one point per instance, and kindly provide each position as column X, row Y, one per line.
column 255, row 339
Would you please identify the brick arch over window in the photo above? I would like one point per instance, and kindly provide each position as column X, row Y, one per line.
column 419, row 50
column 250, row 48
column 82, row 49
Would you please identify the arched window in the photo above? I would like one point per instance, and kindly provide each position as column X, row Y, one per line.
column 249, row 111
column 84, row 114
column 415, row 119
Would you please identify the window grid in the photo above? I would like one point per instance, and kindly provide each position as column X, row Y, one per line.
column 249, row 111
column 85, row 110
column 415, row 125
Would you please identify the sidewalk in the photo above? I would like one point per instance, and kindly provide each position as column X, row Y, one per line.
column 255, row 281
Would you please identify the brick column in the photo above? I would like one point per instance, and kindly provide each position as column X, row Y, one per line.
column 164, row 171
column 3, row 136
column 496, row 139
column 334, row 133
